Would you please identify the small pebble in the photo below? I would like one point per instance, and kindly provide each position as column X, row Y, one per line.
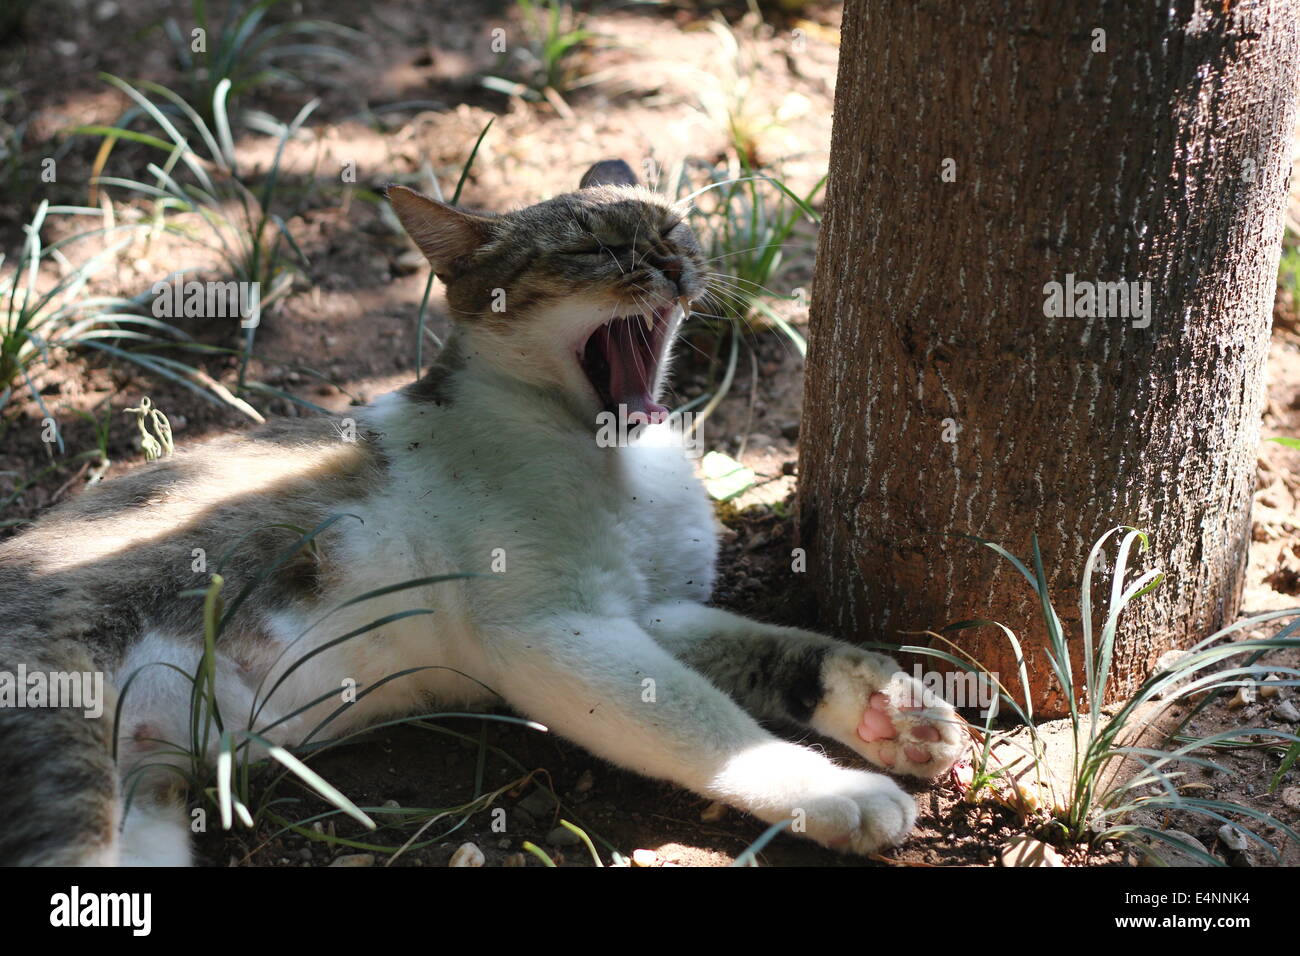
column 645, row 858
column 1160, row 853
column 355, row 859
column 562, row 836
column 1027, row 796
column 1231, row 837
column 1286, row 711
column 537, row 804
column 1026, row 851
column 467, row 855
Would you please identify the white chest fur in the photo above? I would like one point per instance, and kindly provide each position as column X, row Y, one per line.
column 548, row 523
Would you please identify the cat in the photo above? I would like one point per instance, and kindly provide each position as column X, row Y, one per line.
column 592, row 567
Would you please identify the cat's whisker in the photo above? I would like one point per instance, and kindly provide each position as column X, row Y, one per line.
column 636, row 234
column 691, row 345
column 805, row 246
column 723, row 296
column 738, row 282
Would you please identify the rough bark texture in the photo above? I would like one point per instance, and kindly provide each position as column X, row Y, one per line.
column 1164, row 159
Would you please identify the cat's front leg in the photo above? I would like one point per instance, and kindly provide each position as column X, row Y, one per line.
column 863, row 700
column 607, row 685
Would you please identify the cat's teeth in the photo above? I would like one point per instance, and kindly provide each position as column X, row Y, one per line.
column 649, row 322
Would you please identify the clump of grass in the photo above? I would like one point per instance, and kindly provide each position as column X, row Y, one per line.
column 724, row 93
column 36, row 321
column 746, row 221
column 247, row 51
column 1096, row 805
column 744, row 214
column 546, row 64
column 203, row 197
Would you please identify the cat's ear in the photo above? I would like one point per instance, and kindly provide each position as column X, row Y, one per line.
column 446, row 235
column 608, row 172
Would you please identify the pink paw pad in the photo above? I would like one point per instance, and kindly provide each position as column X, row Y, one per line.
column 876, row 726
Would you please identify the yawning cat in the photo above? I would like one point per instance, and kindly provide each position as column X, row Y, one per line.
column 591, row 567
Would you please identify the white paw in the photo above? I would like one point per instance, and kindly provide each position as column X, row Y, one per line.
column 880, row 815
column 889, row 717
column 852, row 811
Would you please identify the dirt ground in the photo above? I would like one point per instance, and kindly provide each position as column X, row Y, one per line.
column 354, row 319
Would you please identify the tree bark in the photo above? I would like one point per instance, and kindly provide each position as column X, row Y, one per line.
column 981, row 151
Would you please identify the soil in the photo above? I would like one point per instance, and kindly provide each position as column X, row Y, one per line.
column 353, row 320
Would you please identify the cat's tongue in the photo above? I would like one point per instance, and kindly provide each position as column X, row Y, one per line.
column 631, row 359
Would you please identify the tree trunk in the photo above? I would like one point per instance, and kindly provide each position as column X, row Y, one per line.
column 982, row 151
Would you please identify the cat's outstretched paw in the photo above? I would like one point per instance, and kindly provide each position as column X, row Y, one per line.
column 885, row 817
column 891, row 718
column 853, row 811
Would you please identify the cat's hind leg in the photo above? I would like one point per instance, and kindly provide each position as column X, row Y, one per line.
column 863, row 700
column 155, row 744
column 57, row 787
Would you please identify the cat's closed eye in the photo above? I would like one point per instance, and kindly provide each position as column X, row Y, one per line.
column 595, row 250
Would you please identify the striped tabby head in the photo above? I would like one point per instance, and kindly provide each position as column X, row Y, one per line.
column 583, row 292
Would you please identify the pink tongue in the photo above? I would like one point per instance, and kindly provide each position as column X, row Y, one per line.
column 630, row 369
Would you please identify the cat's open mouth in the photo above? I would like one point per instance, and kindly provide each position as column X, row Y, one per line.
column 621, row 360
